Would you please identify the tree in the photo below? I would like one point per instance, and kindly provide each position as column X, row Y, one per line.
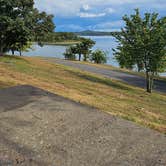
column 79, row 50
column 63, row 36
column 70, row 53
column 85, row 47
column 20, row 23
column 142, row 43
column 43, row 27
column 99, row 56
column 82, row 48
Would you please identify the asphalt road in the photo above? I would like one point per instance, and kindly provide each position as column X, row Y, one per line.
column 135, row 80
column 41, row 129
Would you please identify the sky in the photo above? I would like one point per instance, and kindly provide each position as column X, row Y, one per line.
column 99, row 15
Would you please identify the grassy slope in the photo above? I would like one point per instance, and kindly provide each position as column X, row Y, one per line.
column 121, row 70
column 105, row 94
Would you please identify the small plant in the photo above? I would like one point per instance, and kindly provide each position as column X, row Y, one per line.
column 99, row 57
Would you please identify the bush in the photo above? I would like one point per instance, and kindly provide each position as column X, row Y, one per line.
column 99, row 56
column 69, row 54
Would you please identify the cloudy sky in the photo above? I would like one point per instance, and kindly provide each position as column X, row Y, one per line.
column 102, row 15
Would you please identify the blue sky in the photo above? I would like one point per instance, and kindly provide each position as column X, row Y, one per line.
column 100, row 15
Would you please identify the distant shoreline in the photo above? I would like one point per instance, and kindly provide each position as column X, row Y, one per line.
column 63, row 43
column 95, row 33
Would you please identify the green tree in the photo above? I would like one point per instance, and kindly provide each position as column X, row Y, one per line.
column 99, row 56
column 79, row 51
column 70, row 53
column 142, row 43
column 82, row 48
column 85, row 47
column 20, row 23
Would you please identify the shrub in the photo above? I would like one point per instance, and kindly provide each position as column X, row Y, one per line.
column 99, row 56
column 69, row 54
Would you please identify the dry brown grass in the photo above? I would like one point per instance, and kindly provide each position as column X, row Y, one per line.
column 105, row 94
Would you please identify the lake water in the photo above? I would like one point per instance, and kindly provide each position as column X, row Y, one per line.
column 106, row 43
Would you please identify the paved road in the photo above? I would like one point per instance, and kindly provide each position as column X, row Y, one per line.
column 124, row 77
column 41, row 129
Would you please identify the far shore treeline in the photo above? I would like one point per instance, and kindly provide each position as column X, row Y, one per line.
column 65, row 37
column 95, row 33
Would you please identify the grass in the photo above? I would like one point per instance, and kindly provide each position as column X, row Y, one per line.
column 113, row 68
column 108, row 95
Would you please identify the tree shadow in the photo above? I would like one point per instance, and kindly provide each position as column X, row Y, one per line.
column 8, row 59
column 105, row 81
column 18, row 96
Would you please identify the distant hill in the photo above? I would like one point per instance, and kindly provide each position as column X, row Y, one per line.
column 94, row 33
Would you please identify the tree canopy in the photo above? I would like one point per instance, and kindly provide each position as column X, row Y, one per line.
column 99, row 56
column 82, row 48
column 63, row 36
column 20, row 23
column 142, row 44
column 85, row 47
column 70, row 53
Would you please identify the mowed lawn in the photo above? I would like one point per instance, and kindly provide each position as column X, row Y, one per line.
column 105, row 94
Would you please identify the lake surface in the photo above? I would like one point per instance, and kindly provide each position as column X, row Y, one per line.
column 106, row 43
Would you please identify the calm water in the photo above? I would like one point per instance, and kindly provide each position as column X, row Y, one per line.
column 106, row 43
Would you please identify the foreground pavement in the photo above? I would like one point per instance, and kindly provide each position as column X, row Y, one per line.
column 130, row 79
column 43, row 129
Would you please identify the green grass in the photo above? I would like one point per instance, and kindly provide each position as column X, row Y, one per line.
column 108, row 95
column 113, row 68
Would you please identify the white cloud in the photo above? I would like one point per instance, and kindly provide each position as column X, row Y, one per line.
column 71, row 27
column 86, row 7
column 67, row 8
column 104, row 26
column 62, row 8
column 108, row 26
column 109, row 10
column 108, row 30
column 113, row 24
column 91, row 15
column 105, row 10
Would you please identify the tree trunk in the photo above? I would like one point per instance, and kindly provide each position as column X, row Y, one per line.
column 85, row 57
column 139, row 70
column 12, row 52
column 79, row 57
column 1, row 51
column 151, row 84
column 148, row 82
column 20, row 53
column 151, row 81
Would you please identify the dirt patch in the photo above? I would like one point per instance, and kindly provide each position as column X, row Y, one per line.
column 40, row 128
